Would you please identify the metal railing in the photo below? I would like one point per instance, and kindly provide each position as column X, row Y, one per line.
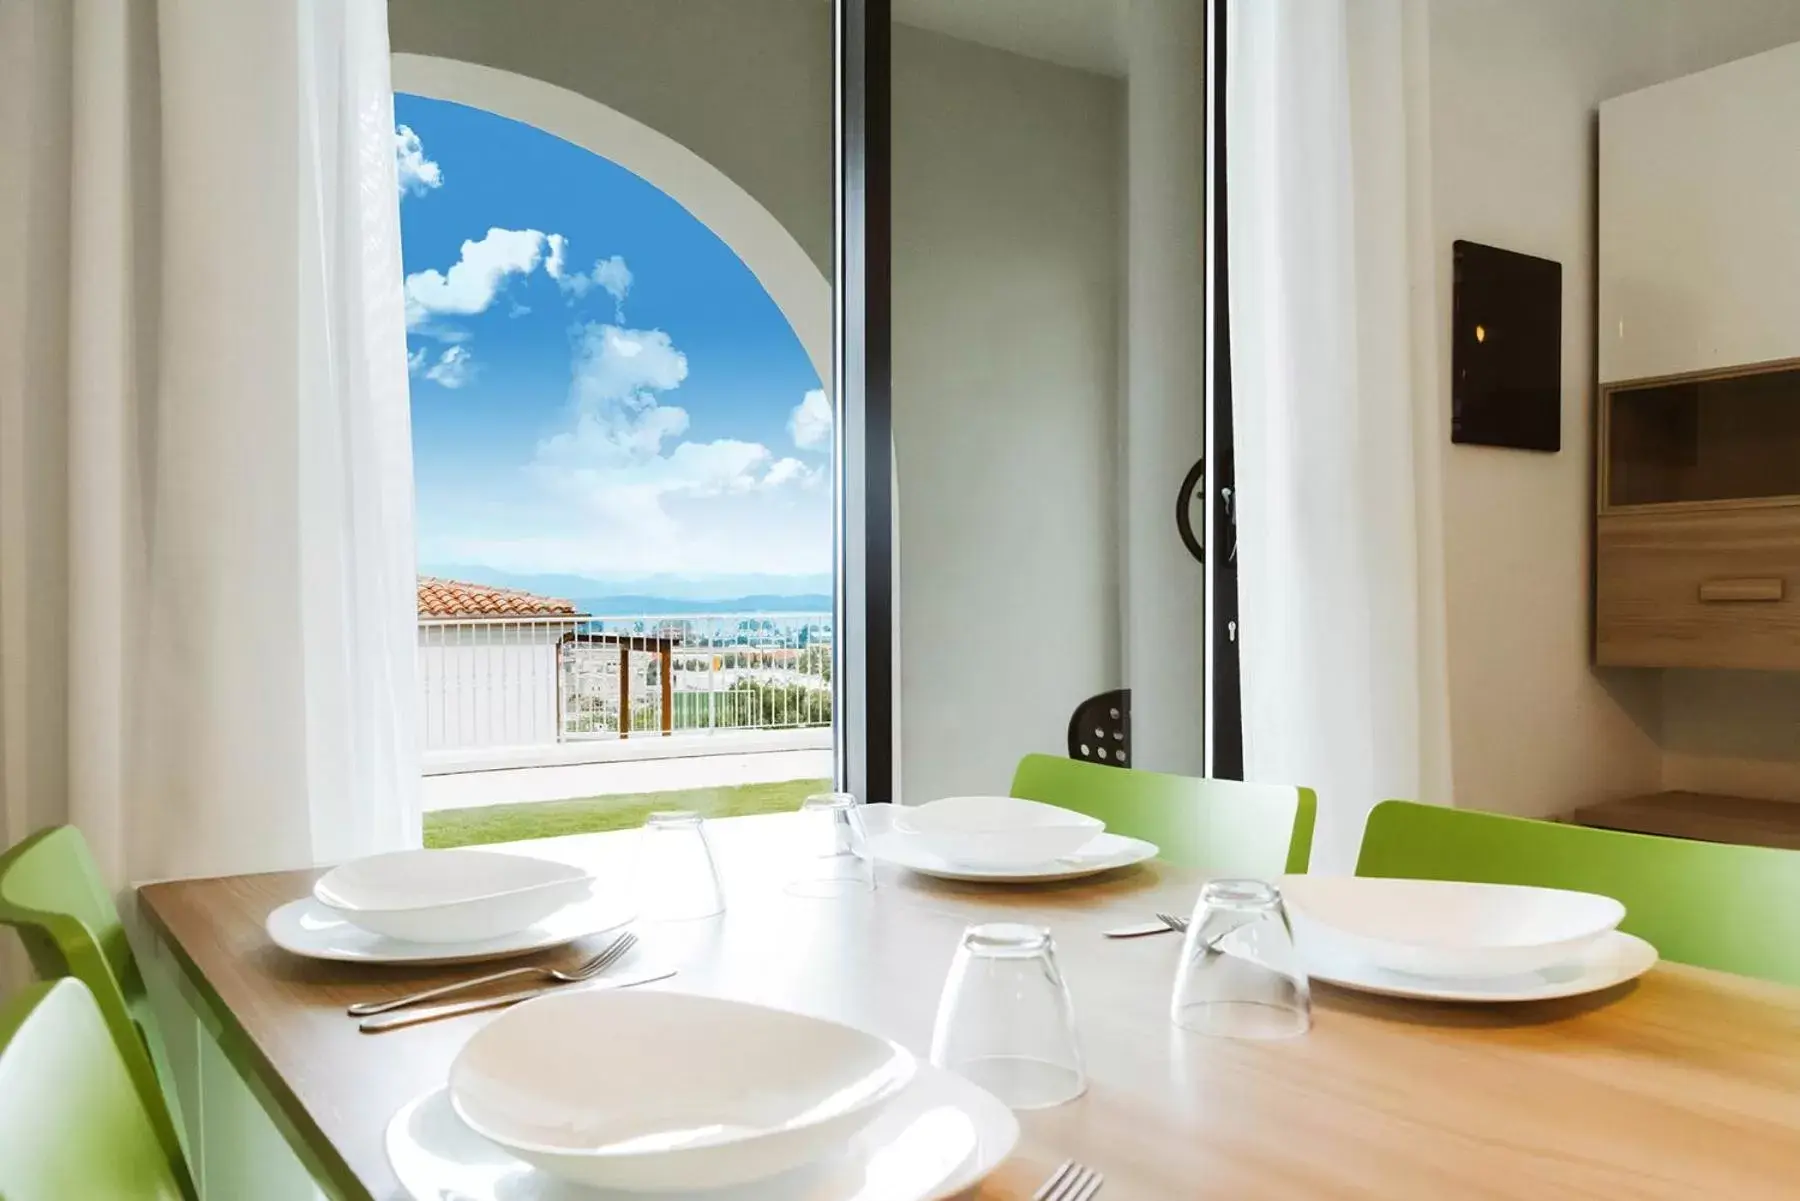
column 530, row 681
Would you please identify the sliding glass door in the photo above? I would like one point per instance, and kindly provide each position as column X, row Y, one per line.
column 1048, row 386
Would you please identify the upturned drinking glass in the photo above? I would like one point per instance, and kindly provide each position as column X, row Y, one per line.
column 833, row 848
column 1005, row 1020
column 676, row 877
column 1240, row 975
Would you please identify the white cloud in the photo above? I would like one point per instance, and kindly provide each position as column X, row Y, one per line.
column 416, row 173
column 610, row 275
column 441, row 331
column 613, row 277
column 810, row 421
column 615, row 466
column 415, row 360
column 622, row 488
column 792, row 471
column 454, row 368
column 624, row 367
column 478, row 275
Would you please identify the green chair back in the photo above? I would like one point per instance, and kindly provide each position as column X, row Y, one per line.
column 72, row 1120
column 52, row 895
column 1223, row 827
column 1710, row 904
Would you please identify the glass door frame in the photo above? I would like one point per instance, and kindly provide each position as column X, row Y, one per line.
column 864, row 675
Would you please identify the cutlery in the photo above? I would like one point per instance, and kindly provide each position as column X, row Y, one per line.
column 413, row 1017
column 585, row 970
column 1164, row 924
column 1071, row 1182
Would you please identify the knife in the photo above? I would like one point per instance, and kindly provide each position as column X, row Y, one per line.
column 411, row 1017
column 1140, row 930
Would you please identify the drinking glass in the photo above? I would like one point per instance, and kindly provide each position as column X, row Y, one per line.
column 1240, row 975
column 676, row 878
column 834, row 848
column 1005, row 1020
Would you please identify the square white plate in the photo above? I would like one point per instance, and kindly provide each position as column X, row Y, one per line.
column 1105, row 853
column 309, row 929
column 941, row 1136
column 1610, row 960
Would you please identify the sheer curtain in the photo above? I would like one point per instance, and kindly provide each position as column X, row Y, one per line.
column 206, row 556
column 1335, row 420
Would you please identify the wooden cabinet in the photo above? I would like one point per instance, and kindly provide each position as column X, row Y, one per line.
column 1706, row 817
column 1697, row 536
column 1699, row 265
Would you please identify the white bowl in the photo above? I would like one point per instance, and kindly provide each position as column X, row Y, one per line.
column 660, row 1091
column 450, row 896
column 1444, row 928
column 997, row 831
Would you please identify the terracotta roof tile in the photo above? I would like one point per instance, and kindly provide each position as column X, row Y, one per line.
column 453, row 598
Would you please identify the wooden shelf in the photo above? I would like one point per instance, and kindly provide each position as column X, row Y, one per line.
column 1701, row 816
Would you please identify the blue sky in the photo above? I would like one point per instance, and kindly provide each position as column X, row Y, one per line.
column 600, row 387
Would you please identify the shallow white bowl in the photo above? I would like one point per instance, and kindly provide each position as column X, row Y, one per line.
column 659, row 1091
column 449, row 896
column 997, row 831
column 1444, row 928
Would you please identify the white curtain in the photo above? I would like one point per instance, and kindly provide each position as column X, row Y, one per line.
column 1334, row 406
column 206, row 558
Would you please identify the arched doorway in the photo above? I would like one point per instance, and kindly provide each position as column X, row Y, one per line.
column 792, row 280
column 512, row 675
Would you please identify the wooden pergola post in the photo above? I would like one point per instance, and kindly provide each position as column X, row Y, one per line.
column 624, row 689
column 668, row 688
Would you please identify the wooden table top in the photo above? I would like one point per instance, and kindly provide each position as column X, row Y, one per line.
column 1683, row 1085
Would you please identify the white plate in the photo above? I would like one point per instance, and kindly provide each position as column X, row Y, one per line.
column 450, row 896
column 668, row 1090
column 1611, row 959
column 1445, row 928
column 941, row 1136
column 309, row 929
column 1105, row 853
column 996, row 831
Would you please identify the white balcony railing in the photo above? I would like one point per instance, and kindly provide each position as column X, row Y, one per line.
column 500, row 682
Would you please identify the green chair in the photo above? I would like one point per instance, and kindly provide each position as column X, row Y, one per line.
column 72, row 1120
column 1224, row 827
column 1710, row 904
column 52, row 894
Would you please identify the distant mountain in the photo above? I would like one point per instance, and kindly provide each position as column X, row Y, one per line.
column 666, row 606
column 733, row 592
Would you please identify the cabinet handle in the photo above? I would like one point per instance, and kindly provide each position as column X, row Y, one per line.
column 1768, row 588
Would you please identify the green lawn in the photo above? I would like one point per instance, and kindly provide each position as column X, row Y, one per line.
column 547, row 819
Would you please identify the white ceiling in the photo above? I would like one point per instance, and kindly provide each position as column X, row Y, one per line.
column 1076, row 33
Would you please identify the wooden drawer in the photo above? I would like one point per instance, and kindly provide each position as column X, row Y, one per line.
column 1716, row 587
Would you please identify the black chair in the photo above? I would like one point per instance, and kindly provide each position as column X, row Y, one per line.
column 1100, row 729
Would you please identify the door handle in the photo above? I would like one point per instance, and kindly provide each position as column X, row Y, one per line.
column 1191, row 484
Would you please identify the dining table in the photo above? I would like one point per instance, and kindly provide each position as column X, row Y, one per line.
column 1682, row 1085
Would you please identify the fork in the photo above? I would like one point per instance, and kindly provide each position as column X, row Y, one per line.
column 586, row 970
column 1177, row 924
column 1071, row 1182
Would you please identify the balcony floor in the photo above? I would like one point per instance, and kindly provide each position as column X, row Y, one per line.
column 557, row 782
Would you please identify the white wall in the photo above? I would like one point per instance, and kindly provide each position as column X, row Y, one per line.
column 1514, row 89
column 487, row 685
column 745, row 84
column 1007, row 264
column 1732, row 732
